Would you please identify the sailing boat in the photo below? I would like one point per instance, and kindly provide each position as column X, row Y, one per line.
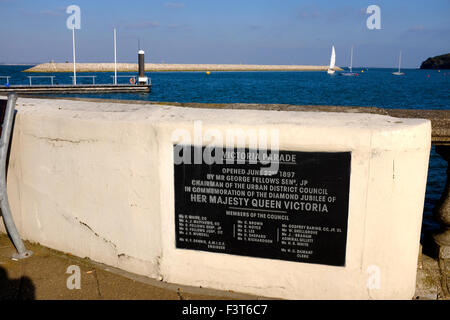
column 398, row 73
column 351, row 73
column 331, row 70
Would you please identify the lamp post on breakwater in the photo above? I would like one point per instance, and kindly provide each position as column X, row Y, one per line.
column 115, row 56
column 74, row 22
column 74, row 61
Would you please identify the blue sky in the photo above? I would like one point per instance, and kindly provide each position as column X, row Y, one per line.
column 218, row 31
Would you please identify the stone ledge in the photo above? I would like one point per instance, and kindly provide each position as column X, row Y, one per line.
column 440, row 119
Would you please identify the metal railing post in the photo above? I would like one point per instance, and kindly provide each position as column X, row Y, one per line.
column 6, row 211
column 93, row 78
column 7, row 78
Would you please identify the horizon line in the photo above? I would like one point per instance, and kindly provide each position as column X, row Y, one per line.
column 343, row 67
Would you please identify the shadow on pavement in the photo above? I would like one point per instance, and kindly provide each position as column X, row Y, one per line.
column 15, row 289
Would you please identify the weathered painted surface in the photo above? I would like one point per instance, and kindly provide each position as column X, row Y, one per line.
column 96, row 179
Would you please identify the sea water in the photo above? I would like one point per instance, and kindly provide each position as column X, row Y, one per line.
column 417, row 89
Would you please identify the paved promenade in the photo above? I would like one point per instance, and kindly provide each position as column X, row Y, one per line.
column 44, row 277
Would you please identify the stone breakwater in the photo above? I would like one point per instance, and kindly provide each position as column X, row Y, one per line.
column 154, row 67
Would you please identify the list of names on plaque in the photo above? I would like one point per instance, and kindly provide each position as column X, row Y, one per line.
column 297, row 212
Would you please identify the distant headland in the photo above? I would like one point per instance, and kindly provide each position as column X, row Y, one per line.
column 154, row 67
column 438, row 62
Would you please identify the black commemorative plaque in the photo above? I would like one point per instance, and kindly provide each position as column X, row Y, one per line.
column 286, row 205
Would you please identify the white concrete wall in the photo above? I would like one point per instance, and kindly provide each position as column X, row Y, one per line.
column 96, row 180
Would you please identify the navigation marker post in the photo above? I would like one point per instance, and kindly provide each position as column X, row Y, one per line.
column 142, row 79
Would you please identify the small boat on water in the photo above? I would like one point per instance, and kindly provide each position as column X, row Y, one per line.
column 331, row 70
column 351, row 73
column 399, row 73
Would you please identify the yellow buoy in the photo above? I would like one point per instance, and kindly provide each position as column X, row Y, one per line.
column 439, row 70
column 362, row 71
column 208, row 73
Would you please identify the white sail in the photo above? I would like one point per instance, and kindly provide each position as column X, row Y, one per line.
column 332, row 62
column 333, row 59
column 399, row 73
